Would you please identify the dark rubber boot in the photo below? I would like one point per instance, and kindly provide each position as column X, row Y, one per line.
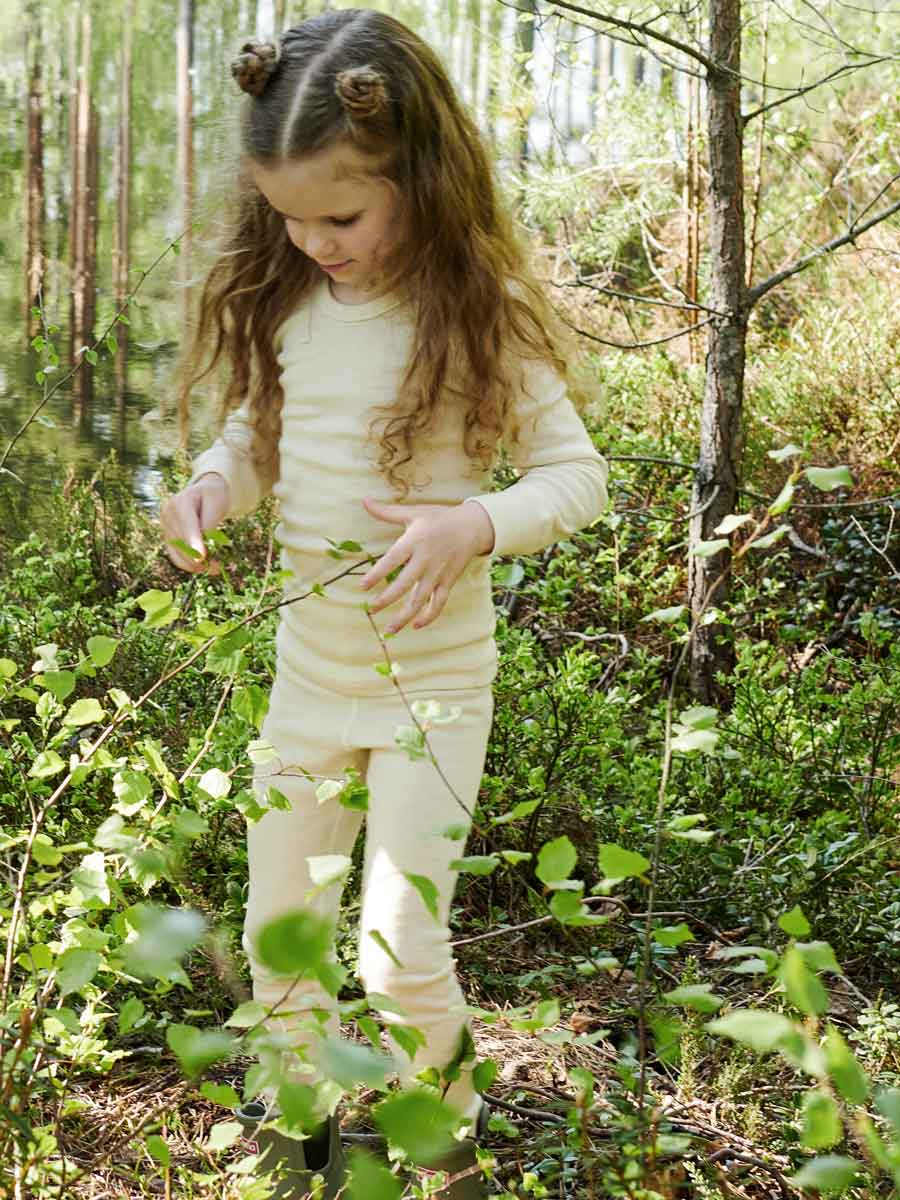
column 287, row 1157
column 460, row 1158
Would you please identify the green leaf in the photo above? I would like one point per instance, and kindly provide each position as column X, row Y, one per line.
column 224, row 1134
column 60, row 683
column 707, row 549
column 295, row 943
column 732, row 522
column 418, row 1122
column 189, row 825
column 822, row 1125
column 44, row 852
column 618, row 863
column 197, row 1049
column 220, row 1093
column 556, row 860
column 84, row 712
column 326, row 869
column 250, row 1013
column 215, row 783
column 887, row 1101
column 803, row 988
column 515, row 856
column 158, row 608
column 371, row 1180
column 782, row 501
column 427, row 890
column 794, row 922
column 158, row 1149
column 523, row 809
column 667, row 615
column 408, row 1038
column 8, row 668
column 484, row 1074
column 819, row 956
column 46, row 765
column 381, row 941
column 698, row 996
column 101, row 649
column 843, row 1068
column 349, row 1063
column 164, row 935
column 826, row 479
column 828, row 1173
column 769, row 539
column 298, row 1104
column 476, row 864
column 132, row 790
column 789, row 451
column 90, row 881
column 75, row 968
column 226, row 655
column 251, row 703
column 130, row 1013
column 757, row 1028
column 672, row 935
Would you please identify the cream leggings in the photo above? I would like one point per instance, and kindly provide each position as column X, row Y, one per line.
column 409, row 807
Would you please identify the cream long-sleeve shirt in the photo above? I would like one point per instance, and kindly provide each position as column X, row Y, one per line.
column 338, row 361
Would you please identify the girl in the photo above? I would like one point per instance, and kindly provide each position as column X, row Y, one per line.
column 384, row 336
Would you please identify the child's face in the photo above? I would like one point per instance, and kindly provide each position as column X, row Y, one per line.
column 344, row 222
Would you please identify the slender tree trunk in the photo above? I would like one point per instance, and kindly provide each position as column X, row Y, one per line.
column 184, row 42
column 715, row 488
column 280, row 15
column 496, row 61
column 84, row 380
column 693, row 201
column 756, row 188
column 78, row 326
column 524, row 81
column 34, row 174
column 121, row 229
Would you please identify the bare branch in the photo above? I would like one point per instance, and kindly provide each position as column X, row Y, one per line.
column 855, row 230
column 584, row 281
column 635, row 345
column 847, row 67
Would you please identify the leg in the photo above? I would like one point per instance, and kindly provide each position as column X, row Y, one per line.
column 409, row 807
column 305, row 727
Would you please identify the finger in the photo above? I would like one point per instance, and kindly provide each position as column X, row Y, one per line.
column 433, row 609
column 391, row 559
column 407, row 578
column 417, row 601
column 394, row 514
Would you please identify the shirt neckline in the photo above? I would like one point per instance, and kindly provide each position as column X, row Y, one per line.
column 353, row 313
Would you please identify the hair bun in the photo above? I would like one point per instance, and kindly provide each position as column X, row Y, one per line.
column 362, row 91
column 255, row 66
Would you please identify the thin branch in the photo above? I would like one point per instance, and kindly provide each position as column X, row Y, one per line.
column 638, row 345
column 855, row 231
column 584, row 281
column 872, row 62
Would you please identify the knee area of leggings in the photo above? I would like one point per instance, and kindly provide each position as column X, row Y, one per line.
column 381, row 974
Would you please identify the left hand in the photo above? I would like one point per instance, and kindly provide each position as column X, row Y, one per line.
column 436, row 547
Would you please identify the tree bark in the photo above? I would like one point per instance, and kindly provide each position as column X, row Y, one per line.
column 34, row 174
column 716, row 481
column 78, row 325
column 121, row 229
column 184, row 45
column 525, row 83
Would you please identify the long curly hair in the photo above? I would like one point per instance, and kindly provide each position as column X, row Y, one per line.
column 360, row 78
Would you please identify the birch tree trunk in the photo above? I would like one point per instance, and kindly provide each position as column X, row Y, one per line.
column 80, row 184
column 121, row 229
column 184, row 46
column 716, row 483
column 34, row 173
column 524, row 82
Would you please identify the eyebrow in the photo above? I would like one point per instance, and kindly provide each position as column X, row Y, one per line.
column 331, row 216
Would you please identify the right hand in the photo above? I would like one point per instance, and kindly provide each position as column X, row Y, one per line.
column 188, row 514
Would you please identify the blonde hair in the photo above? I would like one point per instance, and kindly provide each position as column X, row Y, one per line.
column 361, row 79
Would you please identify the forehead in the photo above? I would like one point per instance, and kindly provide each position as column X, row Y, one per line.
column 318, row 186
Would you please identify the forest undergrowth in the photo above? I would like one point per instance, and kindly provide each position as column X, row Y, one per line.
column 694, row 998
column 780, row 824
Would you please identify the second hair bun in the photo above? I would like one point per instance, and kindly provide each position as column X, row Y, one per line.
column 362, row 91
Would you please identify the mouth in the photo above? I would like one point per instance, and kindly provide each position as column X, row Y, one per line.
column 335, row 266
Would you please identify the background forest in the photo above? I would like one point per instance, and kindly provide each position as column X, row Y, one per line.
column 678, row 918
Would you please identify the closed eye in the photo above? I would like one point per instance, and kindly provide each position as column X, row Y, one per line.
column 344, row 221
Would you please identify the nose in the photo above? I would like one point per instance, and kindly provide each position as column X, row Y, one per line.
column 320, row 247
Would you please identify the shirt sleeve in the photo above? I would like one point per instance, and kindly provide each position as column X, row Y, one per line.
column 230, row 457
column 563, row 478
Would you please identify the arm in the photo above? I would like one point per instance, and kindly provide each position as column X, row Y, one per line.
column 563, row 478
column 229, row 456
